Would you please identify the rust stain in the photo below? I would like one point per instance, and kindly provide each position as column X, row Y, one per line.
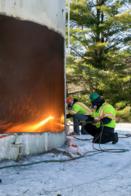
column 31, row 76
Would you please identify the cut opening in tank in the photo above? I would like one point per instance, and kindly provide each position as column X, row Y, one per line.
column 31, row 77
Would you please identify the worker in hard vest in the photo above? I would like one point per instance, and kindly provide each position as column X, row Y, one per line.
column 79, row 112
column 102, row 128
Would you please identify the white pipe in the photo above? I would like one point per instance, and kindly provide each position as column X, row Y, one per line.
column 46, row 141
column 69, row 2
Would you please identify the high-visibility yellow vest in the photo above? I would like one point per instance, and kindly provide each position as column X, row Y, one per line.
column 106, row 110
column 80, row 108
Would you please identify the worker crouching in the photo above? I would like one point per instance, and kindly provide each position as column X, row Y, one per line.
column 103, row 125
column 79, row 112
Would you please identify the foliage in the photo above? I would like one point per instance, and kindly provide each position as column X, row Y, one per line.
column 124, row 114
column 100, row 48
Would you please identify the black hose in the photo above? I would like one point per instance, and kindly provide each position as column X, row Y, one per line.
column 125, row 135
column 84, row 139
column 51, row 160
column 110, row 150
column 89, row 153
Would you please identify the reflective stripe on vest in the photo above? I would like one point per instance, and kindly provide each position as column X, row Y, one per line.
column 84, row 107
column 101, row 113
column 108, row 115
column 81, row 108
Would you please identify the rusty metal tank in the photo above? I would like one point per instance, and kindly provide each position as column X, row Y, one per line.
column 32, row 69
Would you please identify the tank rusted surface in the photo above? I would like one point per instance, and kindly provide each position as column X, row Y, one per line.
column 31, row 73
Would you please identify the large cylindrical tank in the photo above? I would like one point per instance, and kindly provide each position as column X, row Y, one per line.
column 31, row 75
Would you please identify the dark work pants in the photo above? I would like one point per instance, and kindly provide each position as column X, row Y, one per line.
column 101, row 135
column 77, row 119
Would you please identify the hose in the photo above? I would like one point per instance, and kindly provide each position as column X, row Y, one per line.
column 87, row 154
column 51, row 160
column 110, row 150
column 84, row 139
column 113, row 150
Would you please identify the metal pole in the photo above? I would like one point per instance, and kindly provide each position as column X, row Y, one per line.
column 69, row 1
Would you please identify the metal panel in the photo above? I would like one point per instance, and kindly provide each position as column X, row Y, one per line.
column 46, row 12
column 31, row 66
column 31, row 76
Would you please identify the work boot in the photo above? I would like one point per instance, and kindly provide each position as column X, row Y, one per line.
column 105, row 138
column 115, row 138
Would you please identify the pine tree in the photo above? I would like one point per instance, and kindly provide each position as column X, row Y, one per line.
column 100, row 45
column 100, row 27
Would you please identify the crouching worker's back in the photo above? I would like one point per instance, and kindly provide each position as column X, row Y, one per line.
column 78, row 111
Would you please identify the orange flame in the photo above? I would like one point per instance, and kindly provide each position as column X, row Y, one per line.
column 30, row 127
column 40, row 124
column 50, row 124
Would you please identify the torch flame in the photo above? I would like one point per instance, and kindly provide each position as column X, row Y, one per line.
column 46, row 124
column 40, row 124
column 30, row 127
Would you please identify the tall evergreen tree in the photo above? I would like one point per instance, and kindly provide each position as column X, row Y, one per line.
column 100, row 27
column 100, row 44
